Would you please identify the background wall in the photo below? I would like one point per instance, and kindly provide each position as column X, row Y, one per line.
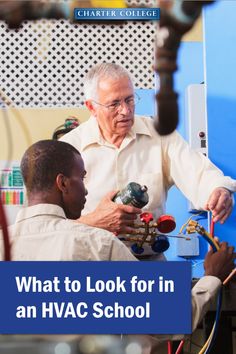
column 28, row 125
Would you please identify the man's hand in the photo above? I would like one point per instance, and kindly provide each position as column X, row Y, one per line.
column 220, row 204
column 220, row 263
column 117, row 218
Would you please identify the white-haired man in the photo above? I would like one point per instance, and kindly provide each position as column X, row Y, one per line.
column 119, row 147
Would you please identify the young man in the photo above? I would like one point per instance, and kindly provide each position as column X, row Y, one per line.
column 53, row 173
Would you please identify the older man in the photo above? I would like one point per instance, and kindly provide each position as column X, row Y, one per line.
column 118, row 148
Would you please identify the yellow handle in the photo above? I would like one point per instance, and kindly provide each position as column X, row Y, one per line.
column 108, row 3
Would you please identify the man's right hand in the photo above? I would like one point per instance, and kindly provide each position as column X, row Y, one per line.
column 220, row 263
column 116, row 218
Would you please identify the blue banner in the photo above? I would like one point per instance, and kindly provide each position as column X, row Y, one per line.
column 142, row 14
column 95, row 297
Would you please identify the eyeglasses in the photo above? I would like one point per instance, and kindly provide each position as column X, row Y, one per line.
column 115, row 106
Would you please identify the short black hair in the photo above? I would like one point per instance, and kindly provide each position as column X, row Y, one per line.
column 43, row 161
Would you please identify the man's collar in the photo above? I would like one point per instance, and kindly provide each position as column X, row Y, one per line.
column 139, row 127
column 40, row 209
column 94, row 135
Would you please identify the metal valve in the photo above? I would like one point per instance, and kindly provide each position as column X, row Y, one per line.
column 158, row 242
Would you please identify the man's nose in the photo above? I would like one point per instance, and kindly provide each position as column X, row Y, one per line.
column 124, row 108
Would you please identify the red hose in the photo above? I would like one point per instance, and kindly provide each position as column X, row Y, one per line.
column 169, row 346
column 180, row 347
column 212, row 227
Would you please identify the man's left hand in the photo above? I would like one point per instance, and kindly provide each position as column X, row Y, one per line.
column 220, row 204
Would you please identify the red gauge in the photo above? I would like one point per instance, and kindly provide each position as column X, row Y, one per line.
column 166, row 224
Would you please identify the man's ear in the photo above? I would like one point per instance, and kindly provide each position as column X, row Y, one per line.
column 91, row 107
column 62, row 183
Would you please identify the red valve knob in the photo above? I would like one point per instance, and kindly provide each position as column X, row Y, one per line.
column 166, row 224
column 146, row 217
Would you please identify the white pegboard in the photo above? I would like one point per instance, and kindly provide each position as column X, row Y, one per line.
column 141, row 3
column 43, row 63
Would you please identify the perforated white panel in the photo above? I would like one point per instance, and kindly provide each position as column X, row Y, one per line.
column 43, row 63
column 141, row 3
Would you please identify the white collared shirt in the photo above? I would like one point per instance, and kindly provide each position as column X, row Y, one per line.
column 147, row 158
column 42, row 232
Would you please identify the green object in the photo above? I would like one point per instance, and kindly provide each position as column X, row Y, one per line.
column 10, row 179
column 7, row 198
column 17, row 180
column 133, row 194
column 21, row 197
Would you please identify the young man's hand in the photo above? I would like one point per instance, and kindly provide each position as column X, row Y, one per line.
column 220, row 263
